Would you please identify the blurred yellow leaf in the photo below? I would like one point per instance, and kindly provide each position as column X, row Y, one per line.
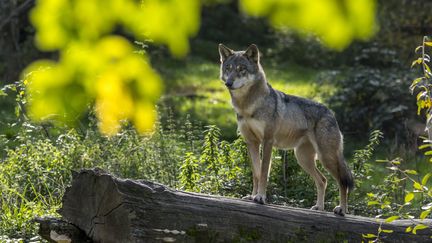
column 336, row 22
column 171, row 22
column 144, row 117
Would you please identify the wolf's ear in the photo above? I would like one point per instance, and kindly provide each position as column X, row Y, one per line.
column 253, row 53
column 224, row 52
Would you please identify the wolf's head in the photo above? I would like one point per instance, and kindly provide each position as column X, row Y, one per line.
column 239, row 68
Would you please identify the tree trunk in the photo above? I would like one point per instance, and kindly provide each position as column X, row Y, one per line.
column 109, row 209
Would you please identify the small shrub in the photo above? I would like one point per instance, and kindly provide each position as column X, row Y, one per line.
column 369, row 99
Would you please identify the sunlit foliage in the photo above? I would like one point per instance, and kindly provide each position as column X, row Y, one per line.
column 336, row 22
column 96, row 67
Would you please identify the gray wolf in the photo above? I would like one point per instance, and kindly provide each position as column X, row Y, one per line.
column 270, row 118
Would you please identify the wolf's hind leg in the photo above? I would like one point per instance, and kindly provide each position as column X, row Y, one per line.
column 330, row 153
column 338, row 169
column 305, row 154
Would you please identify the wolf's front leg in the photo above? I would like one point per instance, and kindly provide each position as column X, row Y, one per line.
column 253, row 148
column 260, row 197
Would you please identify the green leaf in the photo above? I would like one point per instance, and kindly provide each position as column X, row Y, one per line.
column 387, row 231
column 408, row 229
column 423, row 146
column 424, row 214
column 428, row 43
column 391, row 219
column 409, row 197
column 419, row 227
column 381, row 161
column 416, row 81
column 411, row 172
column 2, row 93
column 426, row 178
column 368, row 236
column 417, row 61
column 418, row 186
column 373, row 203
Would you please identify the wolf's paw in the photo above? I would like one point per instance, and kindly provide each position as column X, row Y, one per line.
column 318, row 208
column 259, row 198
column 248, row 197
column 339, row 211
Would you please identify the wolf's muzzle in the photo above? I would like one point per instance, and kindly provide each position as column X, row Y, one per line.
column 229, row 82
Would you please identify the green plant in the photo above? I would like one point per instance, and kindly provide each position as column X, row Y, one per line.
column 403, row 195
column 209, row 157
column 32, row 178
column 422, row 86
column 364, row 172
column 189, row 173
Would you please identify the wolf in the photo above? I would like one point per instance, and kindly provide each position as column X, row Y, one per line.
column 270, row 118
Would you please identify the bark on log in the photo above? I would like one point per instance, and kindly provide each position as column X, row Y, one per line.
column 56, row 230
column 109, row 209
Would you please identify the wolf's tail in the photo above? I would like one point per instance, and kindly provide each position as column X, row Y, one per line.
column 346, row 176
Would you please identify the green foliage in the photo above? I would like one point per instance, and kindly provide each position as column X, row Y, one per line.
column 32, row 180
column 368, row 99
column 210, row 157
column 189, row 173
column 392, row 203
column 361, row 156
column 221, row 168
column 363, row 172
column 422, row 86
column 34, row 174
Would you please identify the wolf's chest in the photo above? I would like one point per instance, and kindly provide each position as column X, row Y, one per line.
column 252, row 127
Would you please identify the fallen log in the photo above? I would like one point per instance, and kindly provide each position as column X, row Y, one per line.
column 57, row 230
column 109, row 209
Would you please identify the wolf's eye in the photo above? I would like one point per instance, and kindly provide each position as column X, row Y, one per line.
column 241, row 69
column 228, row 67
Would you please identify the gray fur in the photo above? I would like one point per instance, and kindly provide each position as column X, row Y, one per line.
column 270, row 118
